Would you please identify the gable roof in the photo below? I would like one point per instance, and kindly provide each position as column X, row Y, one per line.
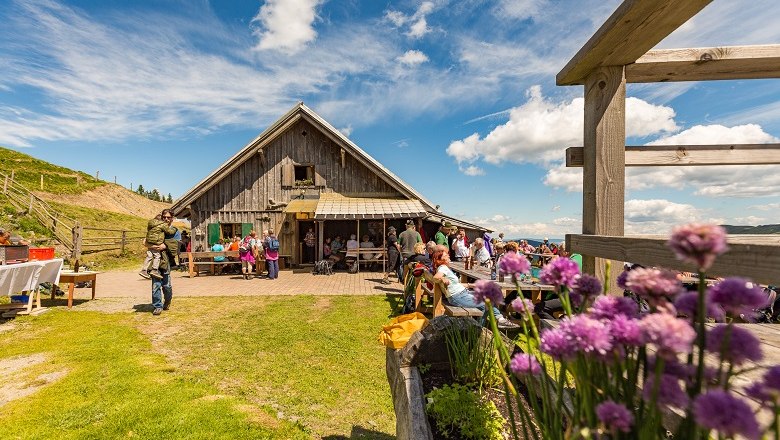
column 299, row 111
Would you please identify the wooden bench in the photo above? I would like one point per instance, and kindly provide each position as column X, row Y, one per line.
column 195, row 259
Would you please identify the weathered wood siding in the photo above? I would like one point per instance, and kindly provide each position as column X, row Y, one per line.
column 243, row 196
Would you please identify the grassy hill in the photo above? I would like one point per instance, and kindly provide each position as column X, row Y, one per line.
column 62, row 188
column 761, row 229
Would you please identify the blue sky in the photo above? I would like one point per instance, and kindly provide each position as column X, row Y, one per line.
column 458, row 98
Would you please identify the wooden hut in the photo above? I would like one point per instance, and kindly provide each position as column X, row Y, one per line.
column 302, row 173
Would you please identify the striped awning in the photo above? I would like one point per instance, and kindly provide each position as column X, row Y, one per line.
column 337, row 207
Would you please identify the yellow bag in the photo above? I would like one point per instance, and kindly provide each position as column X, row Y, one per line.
column 397, row 333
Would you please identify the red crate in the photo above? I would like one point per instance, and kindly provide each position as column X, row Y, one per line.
column 41, row 253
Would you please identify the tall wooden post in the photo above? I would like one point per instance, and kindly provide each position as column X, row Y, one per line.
column 124, row 240
column 41, row 182
column 5, row 185
column 77, row 235
column 603, row 189
column 32, row 199
column 321, row 239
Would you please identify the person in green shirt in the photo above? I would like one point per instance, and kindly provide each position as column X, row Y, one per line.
column 441, row 235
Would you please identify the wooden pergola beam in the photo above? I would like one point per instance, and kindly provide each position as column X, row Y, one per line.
column 706, row 63
column 635, row 27
column 756, row 257
column 689, row 155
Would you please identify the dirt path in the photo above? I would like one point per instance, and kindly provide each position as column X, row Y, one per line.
column 110, row 197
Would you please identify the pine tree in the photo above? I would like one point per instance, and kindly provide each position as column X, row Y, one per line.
column 155, row 195
column 140, row 190
column 170, row 199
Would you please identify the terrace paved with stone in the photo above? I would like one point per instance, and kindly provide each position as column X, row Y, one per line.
column 130, row 285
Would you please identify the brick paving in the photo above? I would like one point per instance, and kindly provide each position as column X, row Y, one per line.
column 130, row 285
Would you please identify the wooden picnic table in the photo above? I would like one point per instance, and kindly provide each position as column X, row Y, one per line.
column 482, row 273
column 70, row 277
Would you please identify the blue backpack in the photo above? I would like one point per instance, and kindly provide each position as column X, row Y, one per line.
column 273, row 244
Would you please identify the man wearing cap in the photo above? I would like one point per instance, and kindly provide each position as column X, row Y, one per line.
column 408, row 239
column 441, row 234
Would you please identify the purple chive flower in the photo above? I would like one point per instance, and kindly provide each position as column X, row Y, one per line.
column 627, row 331
column 686, row 304
column 525, row 364
column 759, row 392
column 607, row 307
column 555, row 343
column 560, row 271
column 523, row 305
column 737, row 295
column 615, row 416
column 772, row 378
column 513, row 263
column 673, row 367
column 698, row 244
column 726, row 414
column 734, row 344
column 587, row 285
column 668, row 333
column 621, row 279
column 575, row 299
column 654, row 285
column 669, row 392
column 588, row 335
column 485, row 289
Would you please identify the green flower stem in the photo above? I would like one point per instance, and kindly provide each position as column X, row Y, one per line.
column 511, row 412
column 701, row 337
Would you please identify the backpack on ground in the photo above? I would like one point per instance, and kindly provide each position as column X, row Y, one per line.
column 273, row 244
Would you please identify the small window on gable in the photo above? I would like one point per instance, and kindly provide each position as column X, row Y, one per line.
column 304, row 175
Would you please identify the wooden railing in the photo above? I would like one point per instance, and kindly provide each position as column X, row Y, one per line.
column 65, row 230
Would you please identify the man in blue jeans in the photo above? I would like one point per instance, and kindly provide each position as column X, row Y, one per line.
column 162, row 291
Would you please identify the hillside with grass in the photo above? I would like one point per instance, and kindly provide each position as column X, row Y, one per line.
column 75, row 196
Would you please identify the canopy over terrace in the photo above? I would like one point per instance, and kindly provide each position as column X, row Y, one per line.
column 334, row 206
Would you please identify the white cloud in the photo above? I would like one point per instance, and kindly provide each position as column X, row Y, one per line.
column 520, row 9
column 766, row 206
column 418, row 23
column 472, row 170
column 286, row 25
column 539, row 130
column 567, row 221
column 659, row 216
column 556, row 208
column 143, row 78
column 561, row 176
column 717, row 135
column 346, row 131
column 412, row 58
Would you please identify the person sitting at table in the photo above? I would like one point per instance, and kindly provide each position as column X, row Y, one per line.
column 526, row 248
column 499, row 251
column 481, row 255
column 511, row 246
column 419, row 255
column 326, row 251
column 458, row 294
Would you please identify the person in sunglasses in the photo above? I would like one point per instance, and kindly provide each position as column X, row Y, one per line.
column 162, row 292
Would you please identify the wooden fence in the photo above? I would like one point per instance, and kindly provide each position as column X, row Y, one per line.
column 67, row 231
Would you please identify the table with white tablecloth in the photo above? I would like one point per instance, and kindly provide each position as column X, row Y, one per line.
column 27, row 277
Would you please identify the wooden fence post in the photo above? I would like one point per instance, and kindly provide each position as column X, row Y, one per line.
column 41, row 182
column 77, row 236
column 124, row 239
column 32, row 198
column 5, row 186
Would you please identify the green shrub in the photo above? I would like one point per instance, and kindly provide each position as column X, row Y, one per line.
column 459, row 411
column 472, row 357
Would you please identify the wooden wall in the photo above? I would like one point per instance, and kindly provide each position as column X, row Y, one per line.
column 243, row 195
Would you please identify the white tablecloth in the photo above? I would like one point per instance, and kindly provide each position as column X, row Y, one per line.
column 15, row 278
column 50, row 272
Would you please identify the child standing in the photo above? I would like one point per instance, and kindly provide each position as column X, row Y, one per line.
column 156, row 230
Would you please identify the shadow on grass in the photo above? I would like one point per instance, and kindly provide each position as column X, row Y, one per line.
column 359, row 432
column 396, row 302
column 143, row 308
column 46, row 301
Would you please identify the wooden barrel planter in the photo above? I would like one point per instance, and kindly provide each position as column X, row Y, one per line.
column 426, row 347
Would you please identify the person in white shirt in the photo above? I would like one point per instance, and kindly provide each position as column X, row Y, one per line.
column 481, row 255
column 352, row 246
column 460, row 248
